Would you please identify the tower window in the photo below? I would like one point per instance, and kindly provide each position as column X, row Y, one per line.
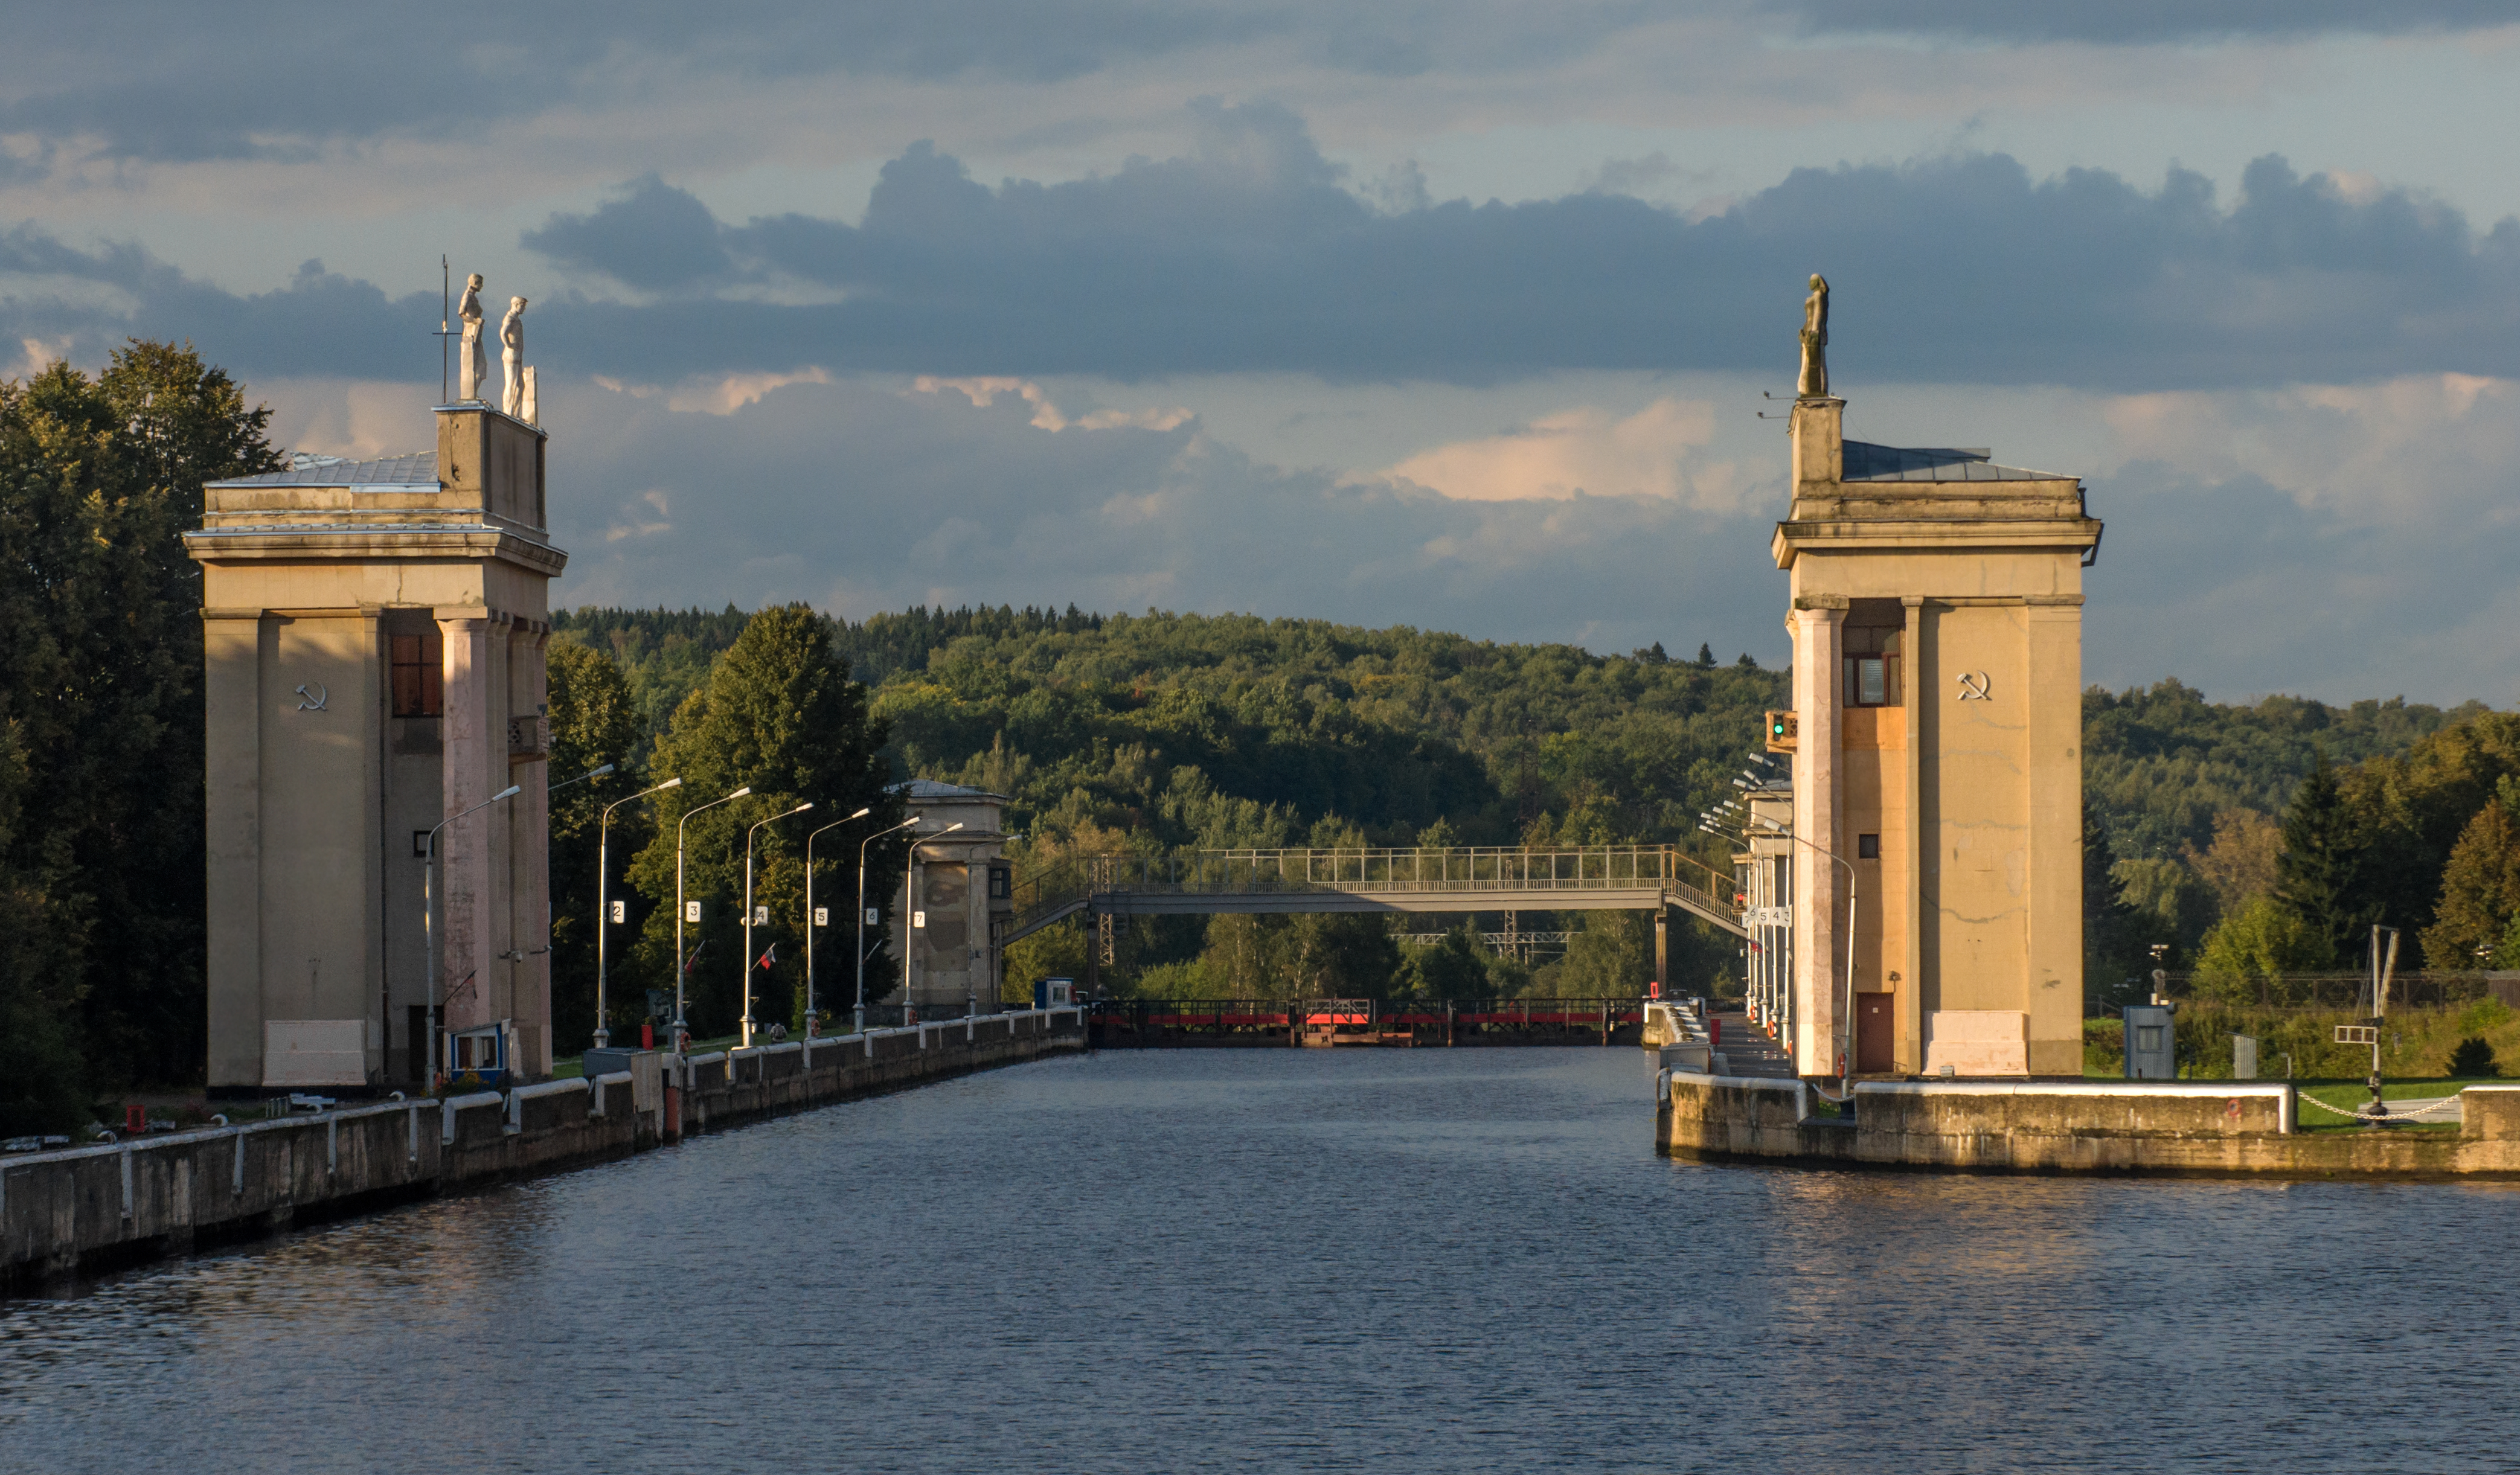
column 1867, row 847
column 417, row 683
column 1871, row 666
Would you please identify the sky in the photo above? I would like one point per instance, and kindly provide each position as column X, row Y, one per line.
column 1458, row 316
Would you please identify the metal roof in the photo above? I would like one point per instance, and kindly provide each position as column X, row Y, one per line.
column 932, row 789
column 415, row 471
column 1865, row 462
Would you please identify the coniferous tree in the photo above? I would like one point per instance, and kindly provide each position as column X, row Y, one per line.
column 2113, row 944
column 101, row 715
column 2318, row 879
column 593, row 721
column 779, row 714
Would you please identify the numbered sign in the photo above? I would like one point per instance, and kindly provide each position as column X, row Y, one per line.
column 620, row 911
column 691, row 911
column 821, row 917
column 873, row 917
column 761, row 916
column 919, row 919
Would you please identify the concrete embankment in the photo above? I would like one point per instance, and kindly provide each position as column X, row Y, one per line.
column 2203, row 1128
column 95, row 1208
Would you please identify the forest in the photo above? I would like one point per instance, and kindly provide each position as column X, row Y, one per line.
column 2254, row 843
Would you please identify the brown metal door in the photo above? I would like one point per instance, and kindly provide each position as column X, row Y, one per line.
column 1876, row 1033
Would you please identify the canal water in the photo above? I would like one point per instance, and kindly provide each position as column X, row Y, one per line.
column 1434, row 1260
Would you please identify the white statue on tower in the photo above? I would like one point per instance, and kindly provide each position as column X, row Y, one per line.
column 475, row 367
column 512, row 356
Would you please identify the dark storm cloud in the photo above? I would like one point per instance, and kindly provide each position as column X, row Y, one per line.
column 2139, row 21
column 178, row 81
column 1247, row 254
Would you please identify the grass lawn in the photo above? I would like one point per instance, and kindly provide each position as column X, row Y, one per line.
column 2353, row 1093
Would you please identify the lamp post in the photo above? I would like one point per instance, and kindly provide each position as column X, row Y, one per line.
column 429, row 915
column 862, row 950
column 604, row 902
column 749, row 961
column 1846, row 1041
column 674, row 1041
column 811, row 926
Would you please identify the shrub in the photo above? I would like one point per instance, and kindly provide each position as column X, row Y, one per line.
column 2473, row 1058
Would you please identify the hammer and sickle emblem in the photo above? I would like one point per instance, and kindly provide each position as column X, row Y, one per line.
column 1973, row 687
column 311, row 701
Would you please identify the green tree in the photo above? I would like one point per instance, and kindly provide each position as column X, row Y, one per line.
column 2318, row 877
column 1451, row 967
column 2480, row 892
column 2114, row 940
column 779, row 714
column 99, row 699
column 1608, row 955
column 2251, row 956
column 593, row 721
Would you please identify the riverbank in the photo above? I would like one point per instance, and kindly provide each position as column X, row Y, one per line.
column 83, row 1210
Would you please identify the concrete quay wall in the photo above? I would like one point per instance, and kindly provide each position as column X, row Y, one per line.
column 2200, row 1128
column 90, row 1209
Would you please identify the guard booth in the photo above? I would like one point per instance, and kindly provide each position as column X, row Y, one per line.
column 1054, row 993
column 2151, row 1043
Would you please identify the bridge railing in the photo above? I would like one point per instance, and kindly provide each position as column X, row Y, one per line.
column 1430, row 870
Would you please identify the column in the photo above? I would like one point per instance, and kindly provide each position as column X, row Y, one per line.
column 1820, row 885
column 1919, row 846
column 2054, row 628
column 232, row 693
column 468, row 946
column 529, row 851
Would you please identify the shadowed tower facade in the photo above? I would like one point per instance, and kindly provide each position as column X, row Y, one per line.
column 1936, row 615
column 373, row 647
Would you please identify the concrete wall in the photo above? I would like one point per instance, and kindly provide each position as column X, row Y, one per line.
column 94, row 1208
column 2202, row 1128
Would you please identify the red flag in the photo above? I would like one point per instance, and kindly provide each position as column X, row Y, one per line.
column 768, row 957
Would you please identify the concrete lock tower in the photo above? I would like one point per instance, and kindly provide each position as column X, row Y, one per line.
column 373, row 640
column 1937, row 751
column 960, row 895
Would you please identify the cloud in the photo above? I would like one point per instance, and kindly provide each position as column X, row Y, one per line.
column 957, row 494
column 2143, row 21
column 653, row 237
column 983, row 392
column 1584, row 451
column 177, row 81
column 1249, row 253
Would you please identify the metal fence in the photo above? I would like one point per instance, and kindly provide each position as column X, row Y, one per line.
column 2416, row 989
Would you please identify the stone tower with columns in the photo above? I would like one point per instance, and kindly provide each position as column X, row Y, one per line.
column 374, row 638
column 1937, row 624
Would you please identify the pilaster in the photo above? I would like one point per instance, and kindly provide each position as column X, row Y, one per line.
column 466, row 946
column 1820, row 888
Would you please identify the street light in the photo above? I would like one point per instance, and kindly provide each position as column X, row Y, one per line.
column 908, row 906
column 810, row 927
column 1846, row 1041
column 862, row 951
column 681, row 965
column 428, row 914
column 603, row 903
column 748, row 959
column 592, row 773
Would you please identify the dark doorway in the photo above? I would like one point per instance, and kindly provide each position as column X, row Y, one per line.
column 1876, row 1034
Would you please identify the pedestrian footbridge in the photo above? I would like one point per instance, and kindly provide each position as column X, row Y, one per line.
column 1426, row 880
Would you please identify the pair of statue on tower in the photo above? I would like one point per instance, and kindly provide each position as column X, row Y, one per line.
column 518, row 396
